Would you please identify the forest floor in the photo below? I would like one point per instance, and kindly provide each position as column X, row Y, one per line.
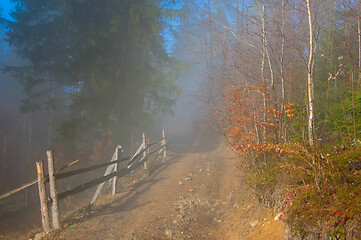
column 193, row 194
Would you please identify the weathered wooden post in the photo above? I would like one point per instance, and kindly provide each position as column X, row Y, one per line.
column 43, row 201
column 148, row 149
column 164, row 144
column 145, row 153
column 53, row 191
column 109, row 169
column 115, row 178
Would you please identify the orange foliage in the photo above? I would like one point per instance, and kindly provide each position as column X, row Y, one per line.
column 250, row 127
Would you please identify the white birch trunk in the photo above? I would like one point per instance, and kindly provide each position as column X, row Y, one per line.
column 359, row 49
column 282, row 53
column 262, row 11
column 310, row 77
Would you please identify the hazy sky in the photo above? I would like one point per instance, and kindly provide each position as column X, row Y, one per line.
column 5, row 5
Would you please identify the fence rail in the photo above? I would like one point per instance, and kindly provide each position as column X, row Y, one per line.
column 33, row 182
column 120, row 173
column 112, row 173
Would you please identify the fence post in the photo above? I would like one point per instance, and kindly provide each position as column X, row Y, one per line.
column 43, row 200
column 148, row 149
column 145, row 152
column 115, row 178
column 109, row 169
column 164, row 144
column 53, row 191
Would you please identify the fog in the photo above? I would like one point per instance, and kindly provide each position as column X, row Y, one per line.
column 84, row 77
column 190, row 108
column 98, row 81
column 68, row 86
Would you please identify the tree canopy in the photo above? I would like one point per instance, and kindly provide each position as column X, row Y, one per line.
column 108, row 58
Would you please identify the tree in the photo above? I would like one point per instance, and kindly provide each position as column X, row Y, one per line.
column 108, row 58
column 310, row 76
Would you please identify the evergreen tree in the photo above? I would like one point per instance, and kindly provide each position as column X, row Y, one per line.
column 108, row 57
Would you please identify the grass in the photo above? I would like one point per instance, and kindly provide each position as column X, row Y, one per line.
column 318, row 190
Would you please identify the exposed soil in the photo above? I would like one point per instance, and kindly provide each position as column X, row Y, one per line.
column 186, row 196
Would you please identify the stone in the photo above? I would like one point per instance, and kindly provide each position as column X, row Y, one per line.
column 39, row 236
column 168, row 232
column 254, row 223
column 278, row 216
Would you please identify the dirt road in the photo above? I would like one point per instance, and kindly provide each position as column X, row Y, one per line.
column 195, row 193
column 183, row 197
column 186, row 196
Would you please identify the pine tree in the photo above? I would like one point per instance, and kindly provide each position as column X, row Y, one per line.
column 108, row 57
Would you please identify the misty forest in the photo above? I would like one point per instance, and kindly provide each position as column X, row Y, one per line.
column 236, row 119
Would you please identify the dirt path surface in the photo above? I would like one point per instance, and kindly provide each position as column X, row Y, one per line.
column 192, row 195
column 183, row 197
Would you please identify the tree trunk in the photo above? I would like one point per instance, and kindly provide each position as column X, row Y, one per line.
column 283, row 92
column 262, row 11
column 310, row 77
column 282, row 53
column 359, row 49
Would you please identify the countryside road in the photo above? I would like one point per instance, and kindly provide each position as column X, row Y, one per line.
column 185, row 196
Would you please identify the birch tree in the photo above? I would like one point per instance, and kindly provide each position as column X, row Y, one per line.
column 310, row 76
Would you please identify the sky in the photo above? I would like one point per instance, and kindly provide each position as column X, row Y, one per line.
column 6, row 6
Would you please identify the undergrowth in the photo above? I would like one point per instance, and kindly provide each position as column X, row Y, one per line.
column 318, row 190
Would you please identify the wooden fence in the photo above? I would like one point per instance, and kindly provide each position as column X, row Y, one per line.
column 112, row 173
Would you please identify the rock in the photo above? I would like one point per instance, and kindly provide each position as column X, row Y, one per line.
column 277, row 217
column 168, row 232
column 254, row 223
column 39, row 236
column 187, row 178
column 180, row 183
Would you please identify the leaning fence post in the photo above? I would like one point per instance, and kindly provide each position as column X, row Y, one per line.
column 43, row 200
column 164, row 144
column 53, row 191
column 117, row 156
column 148, row 149
column 109, row 169
column 145, row 153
